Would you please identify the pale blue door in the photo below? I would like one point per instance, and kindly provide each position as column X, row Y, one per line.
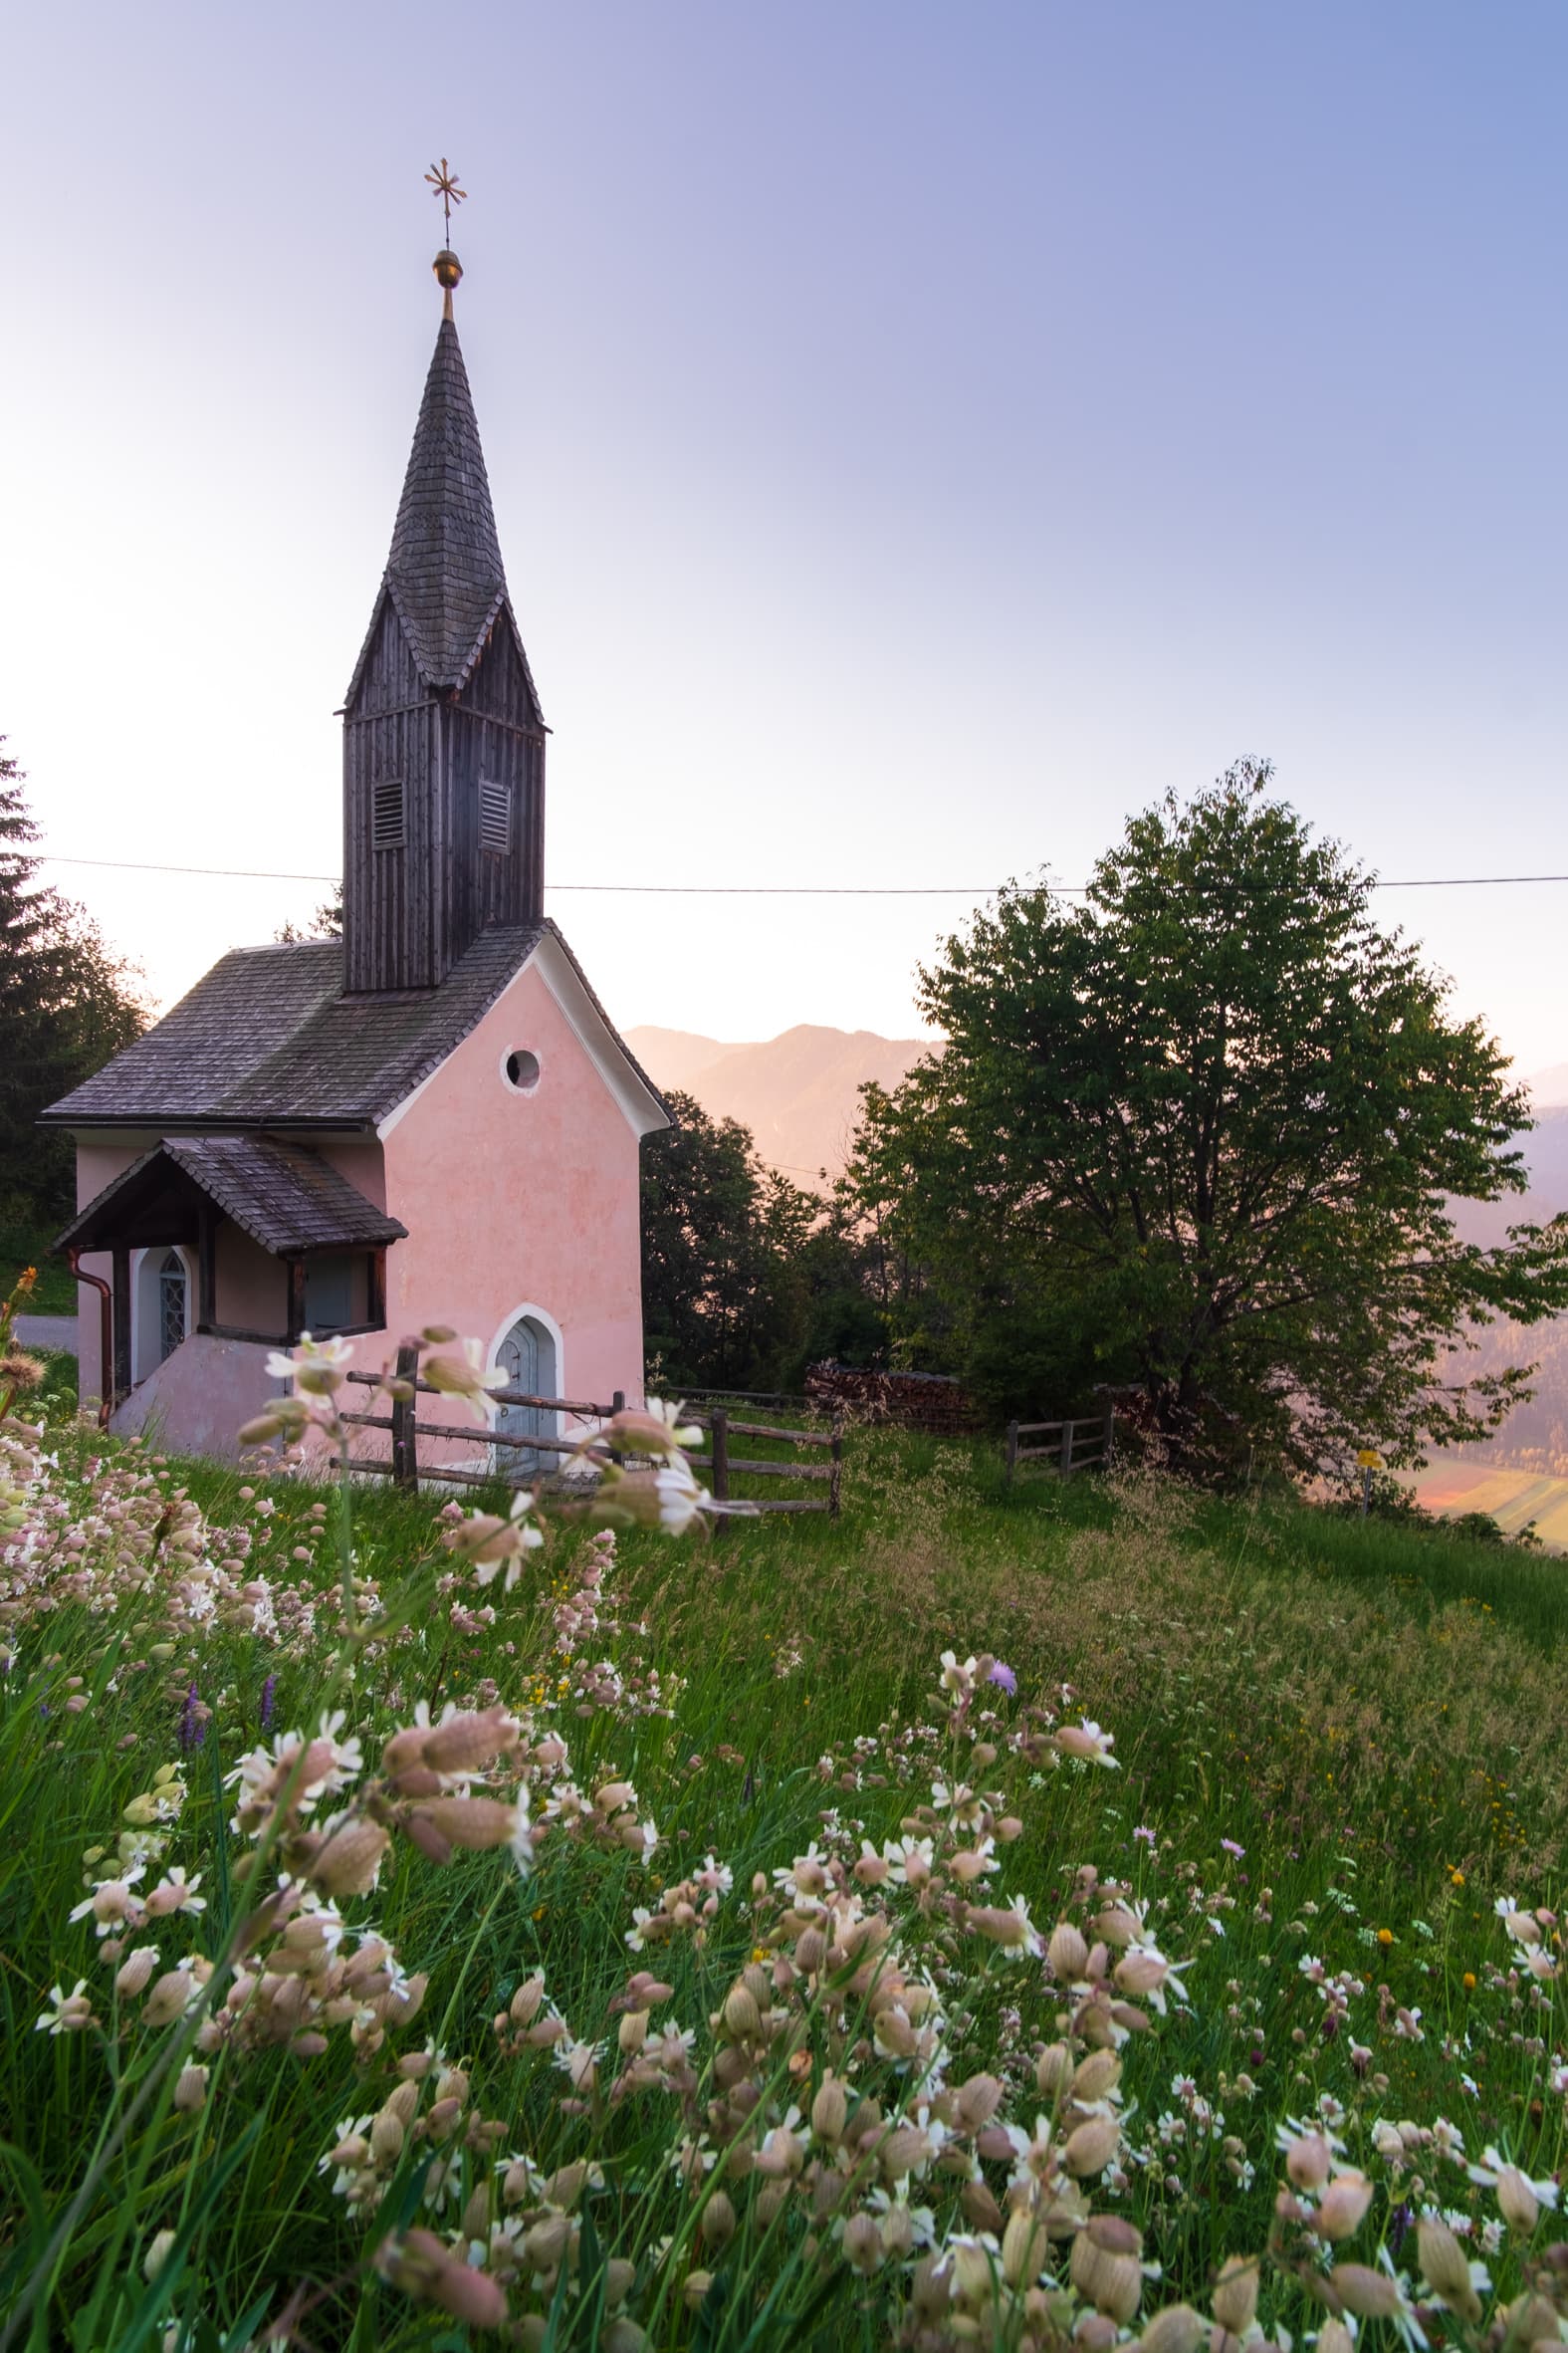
column 527, row 1358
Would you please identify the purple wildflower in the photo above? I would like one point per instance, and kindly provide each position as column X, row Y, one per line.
column 192, row 1722
column 268, row 1699
column 1230, row 1848
column 1400, row 2226
column 1004, row 1674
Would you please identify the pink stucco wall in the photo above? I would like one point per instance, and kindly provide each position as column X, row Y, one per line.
column 522, row 1200
column 200, row 1397
column 98, row 1165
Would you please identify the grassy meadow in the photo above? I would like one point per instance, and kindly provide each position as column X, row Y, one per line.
column 1133, row 1972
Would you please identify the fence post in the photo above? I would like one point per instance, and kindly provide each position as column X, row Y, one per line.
column 1066, row 1447
column 835, row 1482
column 1012, row 1449
column 719, row 1441
column 1110, row 1436
column 617, row 1405
column 406, row 1460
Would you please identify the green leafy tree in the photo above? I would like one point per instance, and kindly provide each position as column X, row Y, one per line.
column 716, row 1227
column 67, row 1004
column 746, row 1279
column 1197, row 1135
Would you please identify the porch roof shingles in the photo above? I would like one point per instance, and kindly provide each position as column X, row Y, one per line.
column 286, row 1198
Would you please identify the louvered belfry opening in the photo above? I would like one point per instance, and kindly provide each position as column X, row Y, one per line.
column 443, row 735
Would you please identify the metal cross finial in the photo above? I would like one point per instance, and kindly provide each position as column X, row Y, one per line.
column 443, row 183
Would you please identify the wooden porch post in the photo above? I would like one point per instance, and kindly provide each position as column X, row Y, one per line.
column 206, row 1267
column 119, row 1375
column 1012, row 1451
column 295, row 1268
column 376, row 1293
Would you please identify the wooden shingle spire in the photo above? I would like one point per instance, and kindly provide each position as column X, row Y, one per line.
column 445, row 572
column 443, row 737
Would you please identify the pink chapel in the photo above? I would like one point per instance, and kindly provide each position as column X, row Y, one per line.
column 431, row 1120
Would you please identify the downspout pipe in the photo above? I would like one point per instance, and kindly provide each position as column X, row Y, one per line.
column 105, row 1344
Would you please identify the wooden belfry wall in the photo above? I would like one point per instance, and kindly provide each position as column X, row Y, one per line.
column 412, row 909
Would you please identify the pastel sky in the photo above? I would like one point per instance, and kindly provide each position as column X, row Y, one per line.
column 919, row 434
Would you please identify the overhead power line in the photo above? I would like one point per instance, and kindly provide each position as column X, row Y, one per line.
column 787, row 890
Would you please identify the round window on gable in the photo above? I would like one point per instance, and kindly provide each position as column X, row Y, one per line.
column 521, row 1069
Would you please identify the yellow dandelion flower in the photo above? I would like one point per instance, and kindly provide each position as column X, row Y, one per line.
column 1385, row 1936
column 1468, row 1981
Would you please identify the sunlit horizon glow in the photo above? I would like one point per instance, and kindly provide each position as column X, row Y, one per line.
column 917, row 441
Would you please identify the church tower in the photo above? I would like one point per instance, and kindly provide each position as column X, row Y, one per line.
column 443, row 735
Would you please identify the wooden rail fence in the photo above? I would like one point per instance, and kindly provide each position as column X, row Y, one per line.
column 1081, row 1445
column 405, row 1429
column 721, row 1464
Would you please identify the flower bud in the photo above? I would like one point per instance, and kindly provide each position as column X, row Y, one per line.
column 978, row 2102
column 468, row 1742
column 349, row 1861
column 632, row 2032
column 972, row 2273
column 157, row 2253
column 863, row 2249
column 1178, row 2329
column 1370, row 2294
column 1053, row 2071
column 1023, row 2249
column 402, row 2101
column 1335, row 2337
column 1090, row 2146
column 547, row 2241
column 469, row 2295
column 1112, row 2283
column 1067, row 1953
column 830, row 2110
column 1307, row 2161
column 741, row 2014
column 133, row 1974
column 524, row 2006
column 170, row 1997
column 1234, row 2299
column 1343, row 2205
column 1096, row 2077
column 905, row 2148
column 1444, row 2268
column 1516, row 2201
column 191, row 2092
column 717, row 2222
column 386, row 2138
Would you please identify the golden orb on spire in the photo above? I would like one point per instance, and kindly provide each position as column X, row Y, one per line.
column 447, row 266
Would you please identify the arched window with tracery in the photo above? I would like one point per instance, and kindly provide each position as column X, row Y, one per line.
column 171, row 1305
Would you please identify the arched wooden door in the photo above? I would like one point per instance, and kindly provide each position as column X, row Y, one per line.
column 527, row 1358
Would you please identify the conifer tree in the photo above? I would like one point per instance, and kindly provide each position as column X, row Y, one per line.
column 67, row 1004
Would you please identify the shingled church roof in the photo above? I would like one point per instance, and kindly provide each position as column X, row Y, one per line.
column 444, row 573
column 267, row 1039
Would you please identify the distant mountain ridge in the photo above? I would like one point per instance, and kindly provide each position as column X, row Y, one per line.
column 798, row 1094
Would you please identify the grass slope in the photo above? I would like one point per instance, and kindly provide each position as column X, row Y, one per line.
column 1337, row 1743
